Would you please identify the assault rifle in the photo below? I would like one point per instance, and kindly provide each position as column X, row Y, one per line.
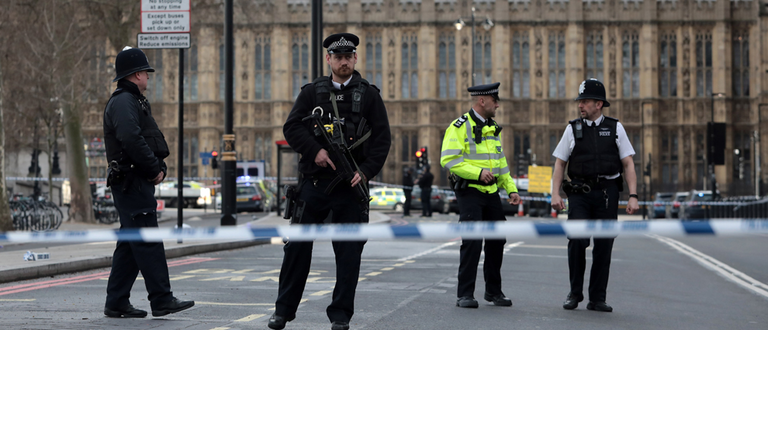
column 344, row 161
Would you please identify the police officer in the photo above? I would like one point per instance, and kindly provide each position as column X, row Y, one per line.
column 425, row 183
column 135, row 151
column 472, row 152
column 407, row 190
column 596, row 149
column 344, row 97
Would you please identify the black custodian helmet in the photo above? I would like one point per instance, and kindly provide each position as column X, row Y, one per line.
column 130, row 61
column 593, row 89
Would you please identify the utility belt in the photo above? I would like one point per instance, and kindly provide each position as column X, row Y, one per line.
column 586, row 185
column 460, row 183
column 119, row 175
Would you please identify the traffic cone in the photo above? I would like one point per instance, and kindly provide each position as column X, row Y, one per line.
column 520, row 209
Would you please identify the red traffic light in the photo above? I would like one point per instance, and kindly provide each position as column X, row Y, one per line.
column 214, row 154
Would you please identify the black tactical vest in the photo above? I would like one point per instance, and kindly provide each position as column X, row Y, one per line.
column 596, row 152
column 349, row 101
column 149, row 130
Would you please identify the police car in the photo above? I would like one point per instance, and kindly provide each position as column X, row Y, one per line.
column 386, row 198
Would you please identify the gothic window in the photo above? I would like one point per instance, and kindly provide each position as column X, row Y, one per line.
column 373, row 61
column 557, row 65
column 742, row 143
column 668, row 65
column 410, row 67
column 262, row 148
column 741, row 65
column 700, row 167
column 483, row 60
column 595, row 55
column 630, row 62
column 521, row 66
column 669, row 165
column 99, row 74
column 447, row 66
column 191, row 156
column 154, row 92
column 704, row 64
column 263, row 62
column 190, row 74
column 409, row 146
column 300, row 63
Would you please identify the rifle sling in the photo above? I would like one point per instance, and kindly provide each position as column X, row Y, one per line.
column 362, row 139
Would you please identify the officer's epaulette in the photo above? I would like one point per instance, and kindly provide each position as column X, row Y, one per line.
column 573, row 121
column 377, row 89
column 459, row 122
column 609, row 118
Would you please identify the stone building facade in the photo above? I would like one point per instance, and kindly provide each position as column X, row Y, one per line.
column 669, row 66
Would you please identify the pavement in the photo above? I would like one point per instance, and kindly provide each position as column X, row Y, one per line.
column 72, row 258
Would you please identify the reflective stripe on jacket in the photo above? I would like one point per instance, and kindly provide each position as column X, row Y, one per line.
column 466, row 157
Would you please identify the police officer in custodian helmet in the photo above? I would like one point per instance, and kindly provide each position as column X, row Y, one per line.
column 135, row 152
column 597, row 151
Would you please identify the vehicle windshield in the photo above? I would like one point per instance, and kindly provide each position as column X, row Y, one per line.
column 246, row 190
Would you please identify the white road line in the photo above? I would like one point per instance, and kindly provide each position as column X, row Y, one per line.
column 429, row 251
column 721, row 268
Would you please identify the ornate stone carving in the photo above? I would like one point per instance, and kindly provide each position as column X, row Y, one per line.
column 371, row 5
column 517, row 5
column 632, row 4
column 557, row 4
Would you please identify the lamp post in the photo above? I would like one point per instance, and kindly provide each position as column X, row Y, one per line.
column 642, row 158
column 459, row 24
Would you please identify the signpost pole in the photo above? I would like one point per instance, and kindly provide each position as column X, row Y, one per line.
column 180, row 183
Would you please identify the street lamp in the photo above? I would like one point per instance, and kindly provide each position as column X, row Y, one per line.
column 487, row 25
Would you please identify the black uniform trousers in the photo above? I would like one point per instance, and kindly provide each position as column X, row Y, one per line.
column 478, row 206
column 592, row 206
column 136, row 208
column 426, row 201
column 407, row 204
column 345, row 208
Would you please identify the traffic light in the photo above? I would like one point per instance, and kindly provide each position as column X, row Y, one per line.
column 214, row 160
column 421, row 157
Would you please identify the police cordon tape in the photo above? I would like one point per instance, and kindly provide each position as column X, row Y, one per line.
column 431, row 231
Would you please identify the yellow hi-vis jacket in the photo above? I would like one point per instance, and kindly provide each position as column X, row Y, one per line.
column 466, row 157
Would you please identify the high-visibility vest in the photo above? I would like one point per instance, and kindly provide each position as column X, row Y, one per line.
column 467, row 157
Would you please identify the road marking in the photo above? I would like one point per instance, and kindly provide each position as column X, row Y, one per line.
column 237, row 304
column 250, row 318
column 373, row 274
column 386, row 269
column 180, row 277
column 87, row 278
column 20, row 299
column 724, row 270
column 429, row 251
column 320, row 293
column 220, row 329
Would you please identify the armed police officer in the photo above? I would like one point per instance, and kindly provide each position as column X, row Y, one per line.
column 347, row 103
column 135, row 151
column 472, row 152
column 596, row 150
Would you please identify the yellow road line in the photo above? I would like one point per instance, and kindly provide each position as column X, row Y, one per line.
column 320, row 293
column 20, row 299
column 242, row 304
column 251, row 317
column 220, row 329
column 373, row 274
column 386, row 269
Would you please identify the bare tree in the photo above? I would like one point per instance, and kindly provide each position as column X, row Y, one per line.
column 6, row 222
column 57, row 47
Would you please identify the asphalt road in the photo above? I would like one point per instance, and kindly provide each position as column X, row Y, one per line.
column 656, row 283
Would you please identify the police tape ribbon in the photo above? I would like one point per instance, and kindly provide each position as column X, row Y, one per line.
column 432, row 231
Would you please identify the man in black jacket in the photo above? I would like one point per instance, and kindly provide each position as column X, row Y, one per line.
column 347, row 99
column 407, row 190
column 135, row 151
column 425, row 183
